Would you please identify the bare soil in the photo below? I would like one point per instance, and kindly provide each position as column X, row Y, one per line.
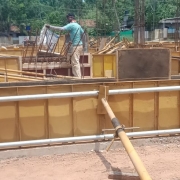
column 162, row 162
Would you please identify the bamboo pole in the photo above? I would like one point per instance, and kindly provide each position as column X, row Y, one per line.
column 39, row 74
column 138, row 164
column 19, row 78
column 23, row 72
column 18, row 75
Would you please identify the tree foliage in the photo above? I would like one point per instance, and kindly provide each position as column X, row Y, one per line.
column 38, row 12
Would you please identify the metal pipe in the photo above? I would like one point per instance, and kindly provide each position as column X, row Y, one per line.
column 138, row 164
column 86, row 138
column 47, row 96
column 87, row 93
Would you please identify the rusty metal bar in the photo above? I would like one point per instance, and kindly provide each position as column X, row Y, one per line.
column 138, row 164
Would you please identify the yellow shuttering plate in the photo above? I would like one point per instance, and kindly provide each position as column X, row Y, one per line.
column 32, row 119
column 60, row 118
column 33, row 115
column 8, row 118
column 86, row 121
column 143, row 108
column 60, row 114
column 65, row 117
column 98, row 66
column 120, row 106
column 10, row 62
column 109, row 66
column 12, row 52
column 104, row 65
column 168, row 108
column 174, row 67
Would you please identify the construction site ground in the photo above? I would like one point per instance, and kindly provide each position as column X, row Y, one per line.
column 161, row 157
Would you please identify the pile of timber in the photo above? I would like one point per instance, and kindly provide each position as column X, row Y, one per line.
column 112, row 46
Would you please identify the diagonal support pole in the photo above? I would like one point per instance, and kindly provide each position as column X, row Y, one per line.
column 138, row 164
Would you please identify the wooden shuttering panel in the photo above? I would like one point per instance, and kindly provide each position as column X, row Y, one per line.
column 147, row 64
column 67, row 117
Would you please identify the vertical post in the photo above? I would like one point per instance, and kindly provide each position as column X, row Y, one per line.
column 138, row 164
column 136, row 24
column 142, row 23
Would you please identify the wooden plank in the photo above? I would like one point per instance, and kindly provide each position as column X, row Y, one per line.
column 140, row 64
column 103, row 93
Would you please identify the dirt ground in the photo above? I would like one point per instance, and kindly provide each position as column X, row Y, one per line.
column 162, row 162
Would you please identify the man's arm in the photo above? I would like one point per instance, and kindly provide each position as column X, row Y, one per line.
column 54, row 27
column 64, row 28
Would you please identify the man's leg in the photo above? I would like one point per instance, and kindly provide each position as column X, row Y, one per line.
column 75, row 61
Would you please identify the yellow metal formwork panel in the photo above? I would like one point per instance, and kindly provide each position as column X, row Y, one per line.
column 143, row 108
column 174, row 67
column 17, row 52
column 120, row 104
column 12, row 63
column 104, row 65
column 9, row 63
column 98, row 66
column 65, row 117
column 109, row 65
column 33, row 115
column 175, row 53
column 60, row 114
column 8, row 117
column 86, row 120
column 85, row 87
column 168, row 108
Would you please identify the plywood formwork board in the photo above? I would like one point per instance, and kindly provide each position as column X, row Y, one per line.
column 65, row 117
column 143, row 108
column 175, row 53
column 178, row 48
column 60, row 114
column 86, row 87
column 104, row 65
column 60, row 118
column 175, row 66
column 10, row 62
column 121, row 105
column 139, row 64
column 17, row 52
column 9, row 130
column 30, row 51
column 98, row 66
column 86, row 121
column 168, row 117
column 169, row 45
column 32, row 115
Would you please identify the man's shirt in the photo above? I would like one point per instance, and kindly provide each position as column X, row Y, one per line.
column 75, row 32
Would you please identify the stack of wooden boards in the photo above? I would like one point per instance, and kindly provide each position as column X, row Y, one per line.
column 109, row 45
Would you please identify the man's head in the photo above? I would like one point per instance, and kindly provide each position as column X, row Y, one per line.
column 70, row 17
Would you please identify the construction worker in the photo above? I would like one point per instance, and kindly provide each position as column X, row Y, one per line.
column 76, row 33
